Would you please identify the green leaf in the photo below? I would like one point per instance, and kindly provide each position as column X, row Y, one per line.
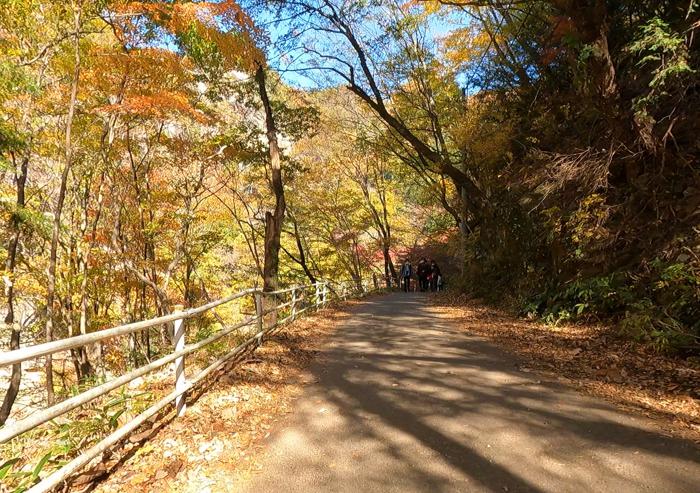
column 40, row 466
column 113, row 420
column 6, row 466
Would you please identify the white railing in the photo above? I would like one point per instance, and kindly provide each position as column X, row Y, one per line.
column 267, row 308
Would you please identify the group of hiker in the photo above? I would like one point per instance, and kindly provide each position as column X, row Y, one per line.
column 427, row 273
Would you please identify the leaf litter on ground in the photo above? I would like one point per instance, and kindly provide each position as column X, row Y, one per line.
column 592, row 358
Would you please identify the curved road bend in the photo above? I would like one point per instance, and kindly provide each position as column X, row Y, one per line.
column 407, row 402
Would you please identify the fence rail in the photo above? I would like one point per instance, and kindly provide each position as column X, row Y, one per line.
column 310, row 296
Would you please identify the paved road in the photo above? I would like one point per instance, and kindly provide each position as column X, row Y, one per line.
column 407, row 402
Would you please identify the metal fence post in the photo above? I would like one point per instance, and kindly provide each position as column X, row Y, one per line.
column 294, row 304
column 179, row 344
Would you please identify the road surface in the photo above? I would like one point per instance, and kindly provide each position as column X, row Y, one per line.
column 408, row 402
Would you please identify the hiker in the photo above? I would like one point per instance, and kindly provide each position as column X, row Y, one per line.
column 422, row 271
column 435, row 276
column 406, row 273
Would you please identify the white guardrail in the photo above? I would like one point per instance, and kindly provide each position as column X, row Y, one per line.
column 320, row 294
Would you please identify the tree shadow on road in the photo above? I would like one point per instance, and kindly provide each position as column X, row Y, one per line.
column 399, row 374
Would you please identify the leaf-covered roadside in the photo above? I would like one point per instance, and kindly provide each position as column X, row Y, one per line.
column 592, row 358
column 217, row 443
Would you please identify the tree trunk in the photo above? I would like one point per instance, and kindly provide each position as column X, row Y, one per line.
column 389, row 269
column 273, row 220
column 84, row 252
column 58, row 209
column 302, row 254
column 10, row 264
column 463, row 231
column 83, row 258
column 67, row 302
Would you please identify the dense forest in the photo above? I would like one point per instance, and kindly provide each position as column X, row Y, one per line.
column 154, row 153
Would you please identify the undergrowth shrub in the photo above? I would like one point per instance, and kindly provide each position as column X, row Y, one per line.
column 661, row 308
column 32, row 455
column 580, row 298
column 668, row 314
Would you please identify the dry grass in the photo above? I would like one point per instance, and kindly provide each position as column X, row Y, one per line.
column 586, row 168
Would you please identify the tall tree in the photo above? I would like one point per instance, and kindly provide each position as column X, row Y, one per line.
column 77, row 14
column 274, row 219
column 20, row 178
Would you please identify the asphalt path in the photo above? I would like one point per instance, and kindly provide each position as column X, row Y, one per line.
column 406, row 401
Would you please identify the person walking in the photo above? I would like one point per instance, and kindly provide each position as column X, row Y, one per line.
column 422, row 271
column 406, row 273
column 435, row 276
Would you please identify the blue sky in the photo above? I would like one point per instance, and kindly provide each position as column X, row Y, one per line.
column 438, row 27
